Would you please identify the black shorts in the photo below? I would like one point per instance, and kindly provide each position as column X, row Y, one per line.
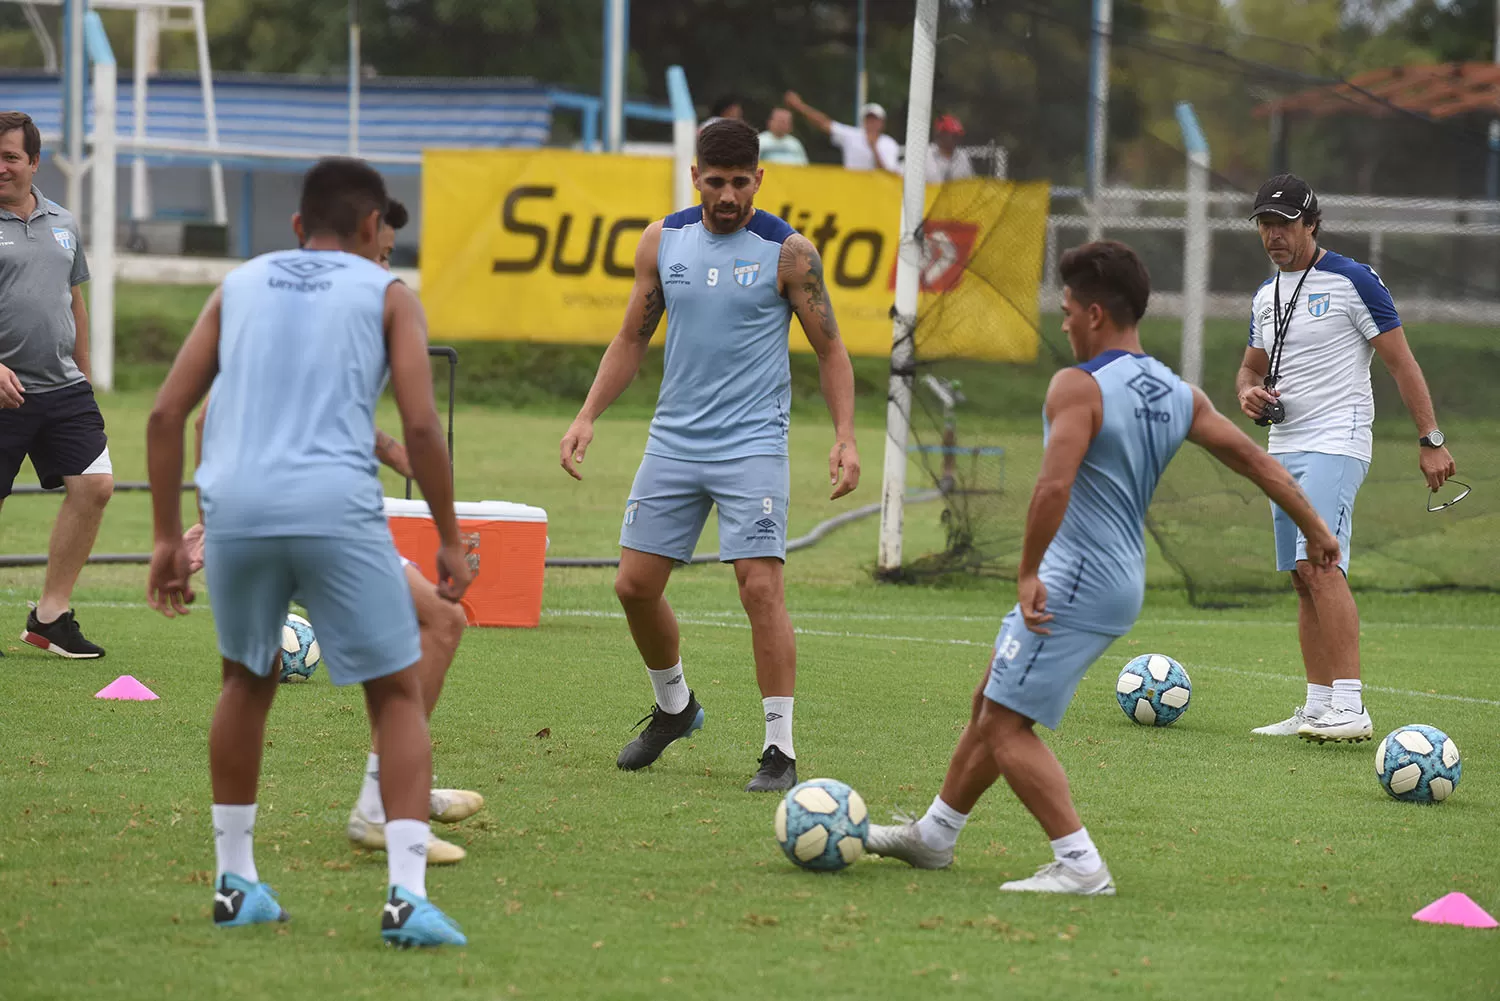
column 62, row 431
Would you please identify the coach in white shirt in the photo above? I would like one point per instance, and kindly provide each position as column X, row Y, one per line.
column 1314, row 325
column 864, row 148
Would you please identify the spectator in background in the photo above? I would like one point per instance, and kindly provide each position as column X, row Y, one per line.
column 945, row 161
column 728, row 106
column 777, row 144
column 866, row 148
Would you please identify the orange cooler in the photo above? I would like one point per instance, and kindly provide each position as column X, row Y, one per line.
column 507, row 551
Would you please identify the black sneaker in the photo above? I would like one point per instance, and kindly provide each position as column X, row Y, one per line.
column 664, row 728
column 777, row 772
column 62, row 637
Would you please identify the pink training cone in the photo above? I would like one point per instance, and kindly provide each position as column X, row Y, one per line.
column 1456, row 909
column 126, row 687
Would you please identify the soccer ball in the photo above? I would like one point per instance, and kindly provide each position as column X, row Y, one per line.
column 1418, row 764
column 822, row 824
column 300, row 653
column 1153, row 690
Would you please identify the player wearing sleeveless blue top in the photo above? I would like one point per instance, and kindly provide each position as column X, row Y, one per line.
column 1112, row 424
column 728, row 277
column 297, row 346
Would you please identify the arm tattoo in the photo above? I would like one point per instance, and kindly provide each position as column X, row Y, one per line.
column 656, row 305
column 811, row 267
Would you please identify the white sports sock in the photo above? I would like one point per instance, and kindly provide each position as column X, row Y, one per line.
column 1347, row 694
column 670, row 688
column 370, row 805
column 1077, row 852
column 779, row 723
column 1319, row 700
column 234, row 841
column 406, row 854
column 941, row 824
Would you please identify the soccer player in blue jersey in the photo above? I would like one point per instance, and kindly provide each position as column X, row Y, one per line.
column 1112, row 423
column 293, row 505
column 728, row 276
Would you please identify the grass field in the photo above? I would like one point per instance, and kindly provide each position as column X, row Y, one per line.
column 1248, row 867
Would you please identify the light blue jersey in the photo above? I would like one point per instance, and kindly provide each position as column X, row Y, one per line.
column 727, row 389
column 289, row 441
column 1095, row 569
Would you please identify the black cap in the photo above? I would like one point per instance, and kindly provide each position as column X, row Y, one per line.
column 1287, row 195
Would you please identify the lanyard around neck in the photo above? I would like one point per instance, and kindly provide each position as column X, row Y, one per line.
column 1281, row 324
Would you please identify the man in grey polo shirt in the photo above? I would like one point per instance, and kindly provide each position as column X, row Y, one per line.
column 47, row 408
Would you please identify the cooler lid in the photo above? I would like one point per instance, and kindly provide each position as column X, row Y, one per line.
column 489, row 510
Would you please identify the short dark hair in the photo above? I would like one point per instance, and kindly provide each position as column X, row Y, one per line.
column 31, row 136
column 1109, row 273
column 728, row 142
column 338, row 193
column 396, row 215
column 723, row 104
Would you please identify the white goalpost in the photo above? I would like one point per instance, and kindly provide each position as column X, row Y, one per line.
column 908, row 273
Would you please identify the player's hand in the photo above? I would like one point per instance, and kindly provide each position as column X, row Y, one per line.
column 575, row 445
column 792, row 100
column 1323, row 550
column 453, row 573
column 393, row 454
column 1437, row 465
column 169, row 589
column 843, row 468
column 11, row 393
column 1254, row 400
column 192, row 542
column 1032, row 594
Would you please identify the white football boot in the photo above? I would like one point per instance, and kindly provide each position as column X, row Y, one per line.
column 903, row 841
column 449, row 806
column 1339, row 726
column 367, row 833
column 1287, row 727
column 1054, row 877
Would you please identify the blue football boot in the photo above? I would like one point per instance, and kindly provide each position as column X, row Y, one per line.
column 409, row 920
column 237, row 901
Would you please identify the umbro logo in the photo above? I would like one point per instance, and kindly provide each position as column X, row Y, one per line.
column 675, row 681
column 307, row 267
column 1079, row 853
column 772, row 717
column 677, row 269
column 1148, row 387
column 766, row 525
column 418, row 850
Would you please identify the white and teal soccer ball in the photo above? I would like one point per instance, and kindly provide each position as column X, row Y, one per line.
column 1418, row 764
column 300, row 653
column 1154, row 690
column 822, row 824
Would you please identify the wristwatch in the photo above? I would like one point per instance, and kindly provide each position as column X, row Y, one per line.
column 1433, row 439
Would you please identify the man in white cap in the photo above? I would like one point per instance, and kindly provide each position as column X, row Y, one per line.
column 864, row 148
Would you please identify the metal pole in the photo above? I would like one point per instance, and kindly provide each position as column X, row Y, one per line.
column 210, row 116
column 73, row 122
column 908, row 272
column 147, row 38
column 102, row 210
column 861, row 78
column 354, row 77
column 1492, row 180
column 1196, row 245
column 617, row 14
column 1098, row 138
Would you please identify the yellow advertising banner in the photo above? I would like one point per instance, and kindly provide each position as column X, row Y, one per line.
column 538, row 245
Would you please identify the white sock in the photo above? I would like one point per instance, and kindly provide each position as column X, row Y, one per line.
column 370, row 806
column 779, row 723
column 1347, row 694
column 1319, row 700
column 234, row 841
column 1077, row 852
column 941, row 825
column 406, row 854
column 670, row 688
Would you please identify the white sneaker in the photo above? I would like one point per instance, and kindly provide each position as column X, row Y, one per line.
column 1339, row 726
column 367, row 833
column 449, row 806
column 903, row 841
column 1287, row 727
column 1054, row 877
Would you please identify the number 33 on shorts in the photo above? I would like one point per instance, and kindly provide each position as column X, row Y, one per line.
column 1007, row 648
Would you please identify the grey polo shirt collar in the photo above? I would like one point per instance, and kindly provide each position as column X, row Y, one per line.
column 43, row 207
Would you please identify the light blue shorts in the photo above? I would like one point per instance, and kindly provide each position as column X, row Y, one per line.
column 355, row 593
column 670, row 500
column 1330, row 482
column 1036, row 675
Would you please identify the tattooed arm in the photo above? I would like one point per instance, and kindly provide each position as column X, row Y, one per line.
column 800, row 276
column 622, row 359
column 1231, row 446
